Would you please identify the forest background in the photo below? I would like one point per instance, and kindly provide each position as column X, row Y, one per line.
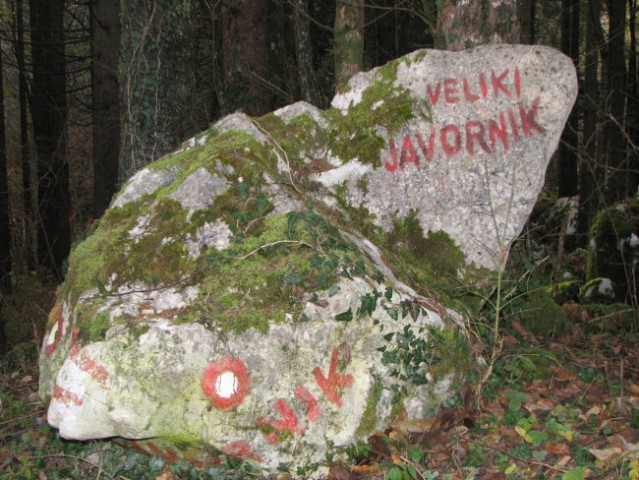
column 93, row 90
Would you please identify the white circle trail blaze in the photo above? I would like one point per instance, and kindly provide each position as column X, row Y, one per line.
column 226, row 385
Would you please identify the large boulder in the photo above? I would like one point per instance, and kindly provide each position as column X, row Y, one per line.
column 280, row 286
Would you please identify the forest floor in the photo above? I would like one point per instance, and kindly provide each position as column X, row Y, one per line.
column 566, row 408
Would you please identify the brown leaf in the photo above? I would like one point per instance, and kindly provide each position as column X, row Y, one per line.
column 5, row 459
column 378, row 445
column 509, row 340
column 406, row 427
column 370, row 469
column 166, row 474
column 594, row 410
column 597, row 393
column 562, row 375
column 337, row 472
column 572, row 311
column 432, row 440
column 565, row 460
column 459, row 431
column 605, row 454
column 494, row 408
column 630, row 435
column 567, row 392
column 492, row 476
column 440, row 457
column 558, row 449
column 543, row 404
column 521, row 330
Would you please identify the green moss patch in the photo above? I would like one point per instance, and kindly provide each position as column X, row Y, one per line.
column 369, row 417
column 537, row 312
column 93, row 261
column 383, row 104
column 261, row 279
column 432, row 261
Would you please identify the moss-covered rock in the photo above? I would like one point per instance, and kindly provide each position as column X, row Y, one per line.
column 273, row 289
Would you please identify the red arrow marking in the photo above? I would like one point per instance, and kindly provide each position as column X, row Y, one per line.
column 309, row 401
column 240, row 449
column 273, row 429
column 334, row 381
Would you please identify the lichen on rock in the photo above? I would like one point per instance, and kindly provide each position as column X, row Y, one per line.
column 278, row 287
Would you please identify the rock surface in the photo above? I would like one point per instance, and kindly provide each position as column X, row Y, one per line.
column 279, row 285
column 472, row 157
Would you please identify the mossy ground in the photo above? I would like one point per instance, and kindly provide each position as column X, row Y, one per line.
column 537, row 311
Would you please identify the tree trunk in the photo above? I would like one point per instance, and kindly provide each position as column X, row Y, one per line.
column 567, row 181
column 5, row 230
column 618, row 185
column 462, row 24
column 49, row 110
column 632, row 116
column 304, row 52
column 246, row 52
column 24, row 250
column 348, row 40
column 528, row 14
column 105, row 29
column 589, row 170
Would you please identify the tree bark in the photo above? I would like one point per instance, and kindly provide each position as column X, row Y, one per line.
column 49, row 111
column 25, row 249
column 348, row 40
column 589, row 167
column 567, row 184
column 618, row 174
column 105, row 32
column 246, row 52
column 5, row 228
column 528, row 16
column 632, row 120
column 462, row 24
column 304, row 52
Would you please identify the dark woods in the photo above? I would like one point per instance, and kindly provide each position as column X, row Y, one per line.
column 92, row 90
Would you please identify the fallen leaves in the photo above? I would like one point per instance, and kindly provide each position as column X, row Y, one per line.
column 571, row 425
